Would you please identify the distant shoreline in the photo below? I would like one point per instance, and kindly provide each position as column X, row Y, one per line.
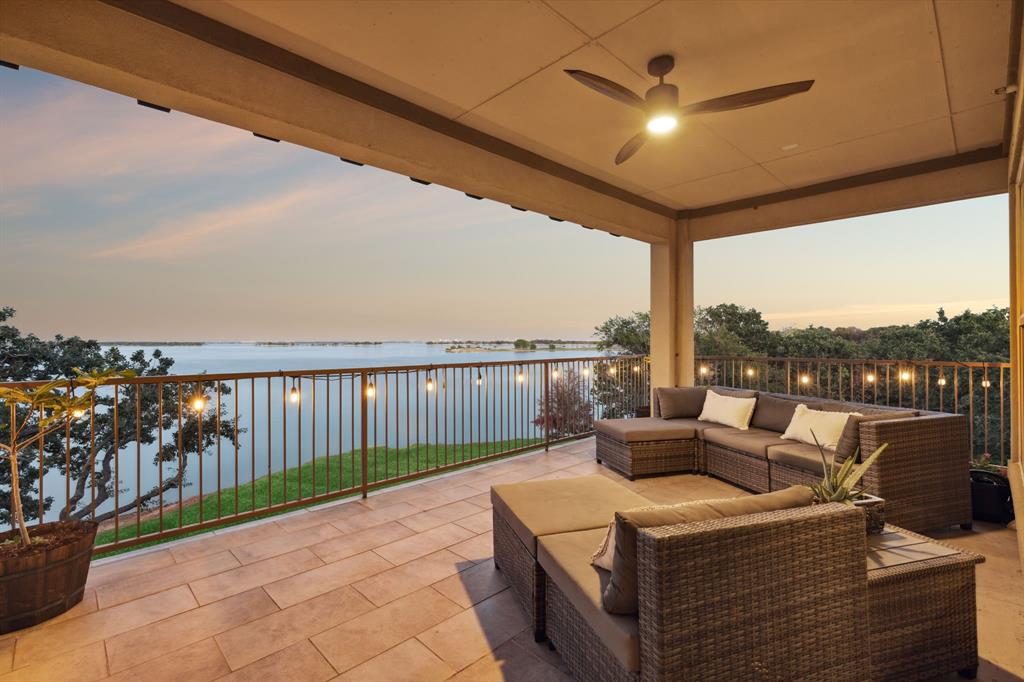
column 558, row 343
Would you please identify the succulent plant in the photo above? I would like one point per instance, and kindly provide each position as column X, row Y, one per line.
column 839, row 483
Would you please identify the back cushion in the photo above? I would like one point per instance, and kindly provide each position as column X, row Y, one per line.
column 677, row 403
column 817, row 426
column 734, row 392
column 849, row 441
column 773, row 414
column 721, row 409
column 620, row 595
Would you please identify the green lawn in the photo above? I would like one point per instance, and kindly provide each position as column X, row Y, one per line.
column 343, row 472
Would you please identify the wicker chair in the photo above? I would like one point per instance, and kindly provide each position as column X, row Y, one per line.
column 773, row 596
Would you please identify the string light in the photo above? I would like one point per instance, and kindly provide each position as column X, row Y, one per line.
column 371, row 390
column 750, row 371
column 870, row 378
column 805, row 379
column 636, row 368
column 430, row 383
column 198, row 403
column 703, row 369
column 554, row 373
column 612, row 370
column 985, row 383
column 293, row 395
column 586, row 372
column 479, row 378
column 941, row 381
column 904, row 375
column 520, row 377
column 78, row 413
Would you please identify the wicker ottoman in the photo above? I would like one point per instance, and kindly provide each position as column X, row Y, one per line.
column 647, row 446
column 525, row 511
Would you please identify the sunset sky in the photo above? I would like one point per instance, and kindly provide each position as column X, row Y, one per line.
column 123, row 223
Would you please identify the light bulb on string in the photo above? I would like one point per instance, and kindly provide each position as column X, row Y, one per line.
column 198, row 403
column 430, row 383
column 805, row 379
column 586, row 372
column 750, row 371
column 78, row 413
column 371, row 390
column 520, row 377
column 941, row 381
column 293, row 395
column 870, row 378
column 479, row 378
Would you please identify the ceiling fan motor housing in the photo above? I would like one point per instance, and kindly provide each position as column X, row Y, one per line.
column 662, row 98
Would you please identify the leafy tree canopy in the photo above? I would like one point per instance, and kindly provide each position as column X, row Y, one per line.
column 627, row 334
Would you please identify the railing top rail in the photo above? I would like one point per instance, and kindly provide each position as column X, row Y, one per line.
column 859, row 361
column 309, row 373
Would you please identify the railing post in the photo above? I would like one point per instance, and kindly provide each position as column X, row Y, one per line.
column 547, row 405
column 362, row 431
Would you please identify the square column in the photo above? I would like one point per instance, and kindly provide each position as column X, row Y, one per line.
column 672, row 309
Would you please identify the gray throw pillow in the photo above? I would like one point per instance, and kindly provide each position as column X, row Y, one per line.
column 678, row 403
column 773, row 414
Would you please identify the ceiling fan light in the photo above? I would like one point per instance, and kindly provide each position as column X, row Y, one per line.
column 659, row 124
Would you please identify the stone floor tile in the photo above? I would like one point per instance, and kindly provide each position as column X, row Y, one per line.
column 511, row 663
column 410, row 661
column 197, row 662
column 472, row 585
column 224, row 539
column 375, row 517
column 68, row 635
column 421, row 544
column 360, row 639
column 479, row 548
column 254, row 640
column 464, row 638
column 82, row 664
column 439, row 516
column 134, row 647
column 298, row 662
column 127, row 567
column 360, row 541
column 6, row 655
column 247, row 577
column 481, row 522
column 284, row 542
column 482, row 500
column 158, row 579
column 443, row 497
column 409, row 577
column 317, row 581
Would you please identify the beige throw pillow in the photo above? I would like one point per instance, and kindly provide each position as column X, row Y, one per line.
column 827, row 427
column 722, row 409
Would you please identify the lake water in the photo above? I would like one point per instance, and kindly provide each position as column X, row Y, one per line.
column 465, row 406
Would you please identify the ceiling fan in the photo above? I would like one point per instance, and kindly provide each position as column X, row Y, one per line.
column 661, row 103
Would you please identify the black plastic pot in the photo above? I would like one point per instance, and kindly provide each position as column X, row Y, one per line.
column 990, row 497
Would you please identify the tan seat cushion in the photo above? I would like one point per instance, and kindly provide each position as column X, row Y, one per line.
column 798, row 456
column 849, row 441
column 680, row 403
column 535, row 508
column 698, row 426
column 621, row 593
column 566, row 559
column 644, row 429
column 752, row 441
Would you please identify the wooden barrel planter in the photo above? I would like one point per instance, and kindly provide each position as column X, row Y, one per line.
column 38, row 586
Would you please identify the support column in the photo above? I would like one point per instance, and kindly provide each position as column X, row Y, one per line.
column 672, row 310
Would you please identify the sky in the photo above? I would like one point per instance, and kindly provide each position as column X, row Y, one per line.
column 118, row 222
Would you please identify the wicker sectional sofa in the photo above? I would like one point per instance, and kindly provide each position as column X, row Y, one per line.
column 704, row 612
column 923, row 476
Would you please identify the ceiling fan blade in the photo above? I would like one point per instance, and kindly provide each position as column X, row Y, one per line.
column 750, row 98
column 631, row 147
column 607, row 87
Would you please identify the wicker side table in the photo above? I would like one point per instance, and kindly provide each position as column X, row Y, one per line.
column 921, row 606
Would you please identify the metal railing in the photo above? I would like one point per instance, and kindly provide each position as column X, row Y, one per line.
column 978, row 390
column 160, row 456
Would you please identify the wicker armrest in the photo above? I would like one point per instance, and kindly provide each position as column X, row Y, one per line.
column 757, row 596
column 923, row 474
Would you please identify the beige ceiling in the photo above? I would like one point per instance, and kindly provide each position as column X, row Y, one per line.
column 895, row 82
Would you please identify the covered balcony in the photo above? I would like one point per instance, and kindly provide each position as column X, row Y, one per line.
column 349, row 533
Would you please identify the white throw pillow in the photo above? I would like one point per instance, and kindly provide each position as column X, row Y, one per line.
column 723, row 409
column 827, row 426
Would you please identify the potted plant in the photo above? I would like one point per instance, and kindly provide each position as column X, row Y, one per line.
column 838, row 484
column 991, row 498
column 43, row 571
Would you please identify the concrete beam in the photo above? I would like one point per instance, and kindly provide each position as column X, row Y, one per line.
column 96, row 43
column 950, row 184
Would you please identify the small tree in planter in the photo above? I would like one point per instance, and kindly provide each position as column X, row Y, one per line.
column 44, row 574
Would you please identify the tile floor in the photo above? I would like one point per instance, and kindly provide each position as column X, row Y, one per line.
column 400, row 586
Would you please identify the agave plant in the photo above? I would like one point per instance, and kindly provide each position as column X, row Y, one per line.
column 55, row 404
column 839, row 484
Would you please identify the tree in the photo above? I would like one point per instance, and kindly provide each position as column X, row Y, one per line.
column 730, row 329
column 90, row 460
column 521, row 344
column 570, row 411
column 626, row 334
